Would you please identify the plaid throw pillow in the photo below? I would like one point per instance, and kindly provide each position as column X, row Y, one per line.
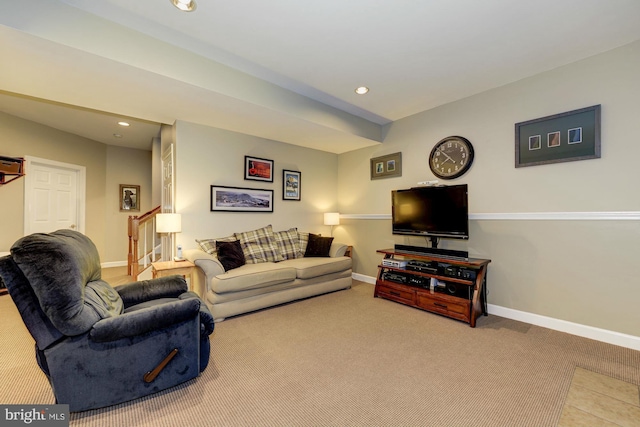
column 303, row 242
column 209, row 245
column 259, row 246
column 288, row 243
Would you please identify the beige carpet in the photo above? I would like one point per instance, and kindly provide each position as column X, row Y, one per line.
column 348, row 359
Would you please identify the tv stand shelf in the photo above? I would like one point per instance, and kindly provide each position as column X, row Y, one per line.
column 458, row 291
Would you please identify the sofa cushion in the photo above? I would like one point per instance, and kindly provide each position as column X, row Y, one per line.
column 303, row 242
column 209, row 245
column 318, row 246
column 307, row 268
column 230, row 255
column 252, row 276
column 288, row 243
column 259, row 245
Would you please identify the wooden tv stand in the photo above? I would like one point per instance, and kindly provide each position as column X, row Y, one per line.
column 457, row 294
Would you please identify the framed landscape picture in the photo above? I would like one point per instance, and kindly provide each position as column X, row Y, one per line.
column 239, row 199
column 290, row 185
column 257, row 169
column 564, row 137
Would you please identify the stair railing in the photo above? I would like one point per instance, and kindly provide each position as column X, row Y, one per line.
column 144, row 243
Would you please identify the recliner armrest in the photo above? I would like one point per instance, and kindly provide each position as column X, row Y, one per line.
column 145, row 320
column 146, row 290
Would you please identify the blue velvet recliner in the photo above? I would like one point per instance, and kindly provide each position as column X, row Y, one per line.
column 99, row 345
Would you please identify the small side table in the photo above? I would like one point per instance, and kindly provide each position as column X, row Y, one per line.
column 349, row 251
column 169, row 268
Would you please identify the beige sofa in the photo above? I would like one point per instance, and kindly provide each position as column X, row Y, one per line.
column 254, row 286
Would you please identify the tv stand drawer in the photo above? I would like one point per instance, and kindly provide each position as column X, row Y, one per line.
column 395, row 293
column 456, row 308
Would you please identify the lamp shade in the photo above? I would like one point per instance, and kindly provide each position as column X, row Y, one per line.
column 332, row 218
column 168, row 223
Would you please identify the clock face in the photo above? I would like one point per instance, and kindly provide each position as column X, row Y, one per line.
column 451, row 157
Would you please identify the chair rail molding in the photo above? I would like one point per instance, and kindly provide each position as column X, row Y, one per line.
column 527, row 216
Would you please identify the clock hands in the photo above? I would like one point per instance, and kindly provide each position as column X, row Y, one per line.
column 448, row 157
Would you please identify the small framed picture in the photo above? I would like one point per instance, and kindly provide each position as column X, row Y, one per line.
column 388, row 166
column 553, row 139
column 291, row 185
column 257, row 169
column 570, row 136
column 129, row 198
column 534, row 142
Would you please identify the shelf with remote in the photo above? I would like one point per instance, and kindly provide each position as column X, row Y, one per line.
column 453, row 286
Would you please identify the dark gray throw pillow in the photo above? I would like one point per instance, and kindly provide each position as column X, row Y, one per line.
column 318, row 246
column 230, row 254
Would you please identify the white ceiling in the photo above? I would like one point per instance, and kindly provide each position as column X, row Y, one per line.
column 284, row 69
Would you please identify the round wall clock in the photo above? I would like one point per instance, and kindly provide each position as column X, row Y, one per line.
column 451, row 157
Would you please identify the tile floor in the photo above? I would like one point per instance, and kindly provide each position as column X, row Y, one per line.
column 599, row 400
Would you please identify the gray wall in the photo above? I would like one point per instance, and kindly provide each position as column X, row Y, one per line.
column 206, row 156
column 106, row 167
column 576, row 270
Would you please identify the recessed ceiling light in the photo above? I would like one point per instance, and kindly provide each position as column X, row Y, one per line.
column 125, row 124
column 117, row 135
column 185, row 5
column 362, row 90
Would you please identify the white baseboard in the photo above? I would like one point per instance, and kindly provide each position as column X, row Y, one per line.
column 363, row 278
column 113, row 264
column 603, row 335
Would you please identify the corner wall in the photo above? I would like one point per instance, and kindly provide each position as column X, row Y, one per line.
column 578, row 270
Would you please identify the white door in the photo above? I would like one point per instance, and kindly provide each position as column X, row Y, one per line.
column 168, row 186
column 54, row 196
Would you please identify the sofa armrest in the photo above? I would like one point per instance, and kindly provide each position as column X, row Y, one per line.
column 337, row 249
column 207, row 263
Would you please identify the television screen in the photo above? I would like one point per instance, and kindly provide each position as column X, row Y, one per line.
column 431, row 211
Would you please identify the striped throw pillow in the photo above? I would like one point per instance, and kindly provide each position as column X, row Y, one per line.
column 259, row 245
column 288, row 243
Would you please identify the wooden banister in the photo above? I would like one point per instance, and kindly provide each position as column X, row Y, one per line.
column 145, row 253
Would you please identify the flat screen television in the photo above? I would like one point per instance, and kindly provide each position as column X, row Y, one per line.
column 431, row 211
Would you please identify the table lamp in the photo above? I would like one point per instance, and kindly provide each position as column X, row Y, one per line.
column 170, row 223
column 331, row 218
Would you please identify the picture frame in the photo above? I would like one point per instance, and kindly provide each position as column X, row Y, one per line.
column 257, row 169
column 291, row 189
column 389, row 166
column 129, row 196
column 565, row 137
column 240, row 199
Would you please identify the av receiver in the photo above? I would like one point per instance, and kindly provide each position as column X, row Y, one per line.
column 423, row 266
column 457, row 272
column 394, row 277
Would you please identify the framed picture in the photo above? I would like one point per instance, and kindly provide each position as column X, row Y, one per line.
column 238, row 199
column 129, row 198
column 290, row 185
column 257, row 169
column 565, row 137
column 386, row 166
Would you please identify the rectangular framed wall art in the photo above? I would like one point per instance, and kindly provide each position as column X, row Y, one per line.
column 257, row 169
column 129, row 198
column 238, row 199
column 565, row 137
column 290, row 185
column 386, row 166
